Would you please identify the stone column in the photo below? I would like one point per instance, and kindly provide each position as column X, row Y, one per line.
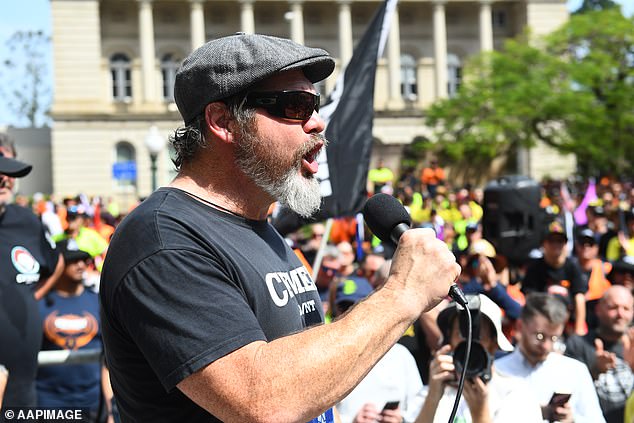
column 486, row 26
column 148, row 59
column 395, row 100
column 197, row 23
column 440, row 49
column 247, row 19
column 297, row 21
column 345, row 32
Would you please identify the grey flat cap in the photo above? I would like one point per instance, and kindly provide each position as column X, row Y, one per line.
column 228, row 65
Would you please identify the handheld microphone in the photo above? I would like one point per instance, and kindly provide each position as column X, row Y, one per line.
column 388, row 220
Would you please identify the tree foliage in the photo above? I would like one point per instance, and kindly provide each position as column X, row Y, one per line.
column 595, row 5
column 25, row 85
column 574, row 93
column 598, row 51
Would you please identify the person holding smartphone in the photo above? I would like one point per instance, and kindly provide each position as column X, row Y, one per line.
column 547, row 372
column 391, row 392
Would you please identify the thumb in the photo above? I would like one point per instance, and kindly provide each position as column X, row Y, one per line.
column 598, row 344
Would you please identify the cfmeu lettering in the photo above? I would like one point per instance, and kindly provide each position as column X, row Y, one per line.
column 283, row 286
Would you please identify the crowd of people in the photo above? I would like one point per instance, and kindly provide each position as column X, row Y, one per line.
column 191, row 334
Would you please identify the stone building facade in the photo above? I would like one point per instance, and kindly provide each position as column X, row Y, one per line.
column 115, row 60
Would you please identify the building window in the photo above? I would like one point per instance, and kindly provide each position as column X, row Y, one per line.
column 498, row 18
column 124, row 170
column 120, row 70
column 409, row 89
column 454, row 74
column 169, row 66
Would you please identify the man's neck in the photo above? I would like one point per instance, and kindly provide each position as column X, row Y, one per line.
column 238, row 203
column 555, row 262
column 66, row 287
column 608, row 335
column 530, row 361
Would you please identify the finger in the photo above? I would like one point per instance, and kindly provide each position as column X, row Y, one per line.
column 446, row 367
column 612, row 360
column 445, row 376
column 444, row 350
column 598, row 344
column 478, row 384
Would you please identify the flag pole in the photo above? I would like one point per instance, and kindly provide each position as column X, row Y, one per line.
column 322, row 246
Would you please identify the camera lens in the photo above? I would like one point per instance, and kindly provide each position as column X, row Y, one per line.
column 479, row 361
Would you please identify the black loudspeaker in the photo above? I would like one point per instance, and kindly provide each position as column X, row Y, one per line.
column 513, row 221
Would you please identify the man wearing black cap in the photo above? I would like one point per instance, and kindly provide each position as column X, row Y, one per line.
column 594, row 271
column 29, row 266
column 69, row 315
column 556, row 273
column 207, row 315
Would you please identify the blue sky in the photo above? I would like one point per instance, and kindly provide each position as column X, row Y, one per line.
column 35, row 15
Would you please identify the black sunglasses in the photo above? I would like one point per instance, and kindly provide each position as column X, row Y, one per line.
column 295, row 105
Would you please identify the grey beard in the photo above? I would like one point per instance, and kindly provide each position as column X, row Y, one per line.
column 299, row 193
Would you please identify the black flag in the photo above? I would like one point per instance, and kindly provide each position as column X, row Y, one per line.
column 349, row 116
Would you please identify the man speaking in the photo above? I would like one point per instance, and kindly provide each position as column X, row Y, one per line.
column 207, row 314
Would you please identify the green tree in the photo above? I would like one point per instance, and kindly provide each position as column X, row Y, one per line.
column 575, row 93
column 598, row 50
column 595, row 5
column 24, row 83
column 506, row 102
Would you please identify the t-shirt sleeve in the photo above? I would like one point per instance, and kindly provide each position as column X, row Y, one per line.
column 184, row 311
column 49, row 252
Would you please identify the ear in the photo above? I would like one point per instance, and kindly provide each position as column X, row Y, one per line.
column 519, row 324
column 218, row 121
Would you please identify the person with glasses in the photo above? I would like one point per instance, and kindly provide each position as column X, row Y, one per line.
column 29, row 268
column 557, row 273
column 207, row 314
column 548, row 372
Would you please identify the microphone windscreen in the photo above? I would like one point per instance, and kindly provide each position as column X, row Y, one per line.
column 383, row 213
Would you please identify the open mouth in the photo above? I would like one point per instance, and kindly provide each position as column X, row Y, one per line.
column 309, row 160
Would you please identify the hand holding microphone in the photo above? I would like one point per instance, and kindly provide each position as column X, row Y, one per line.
column 423, row 269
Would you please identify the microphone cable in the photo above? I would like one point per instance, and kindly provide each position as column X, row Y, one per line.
column 457, row 295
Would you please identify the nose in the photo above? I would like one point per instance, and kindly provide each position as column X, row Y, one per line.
column 315, row 123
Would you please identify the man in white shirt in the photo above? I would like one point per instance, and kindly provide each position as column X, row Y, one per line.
column 540, row 327
column 501, row 399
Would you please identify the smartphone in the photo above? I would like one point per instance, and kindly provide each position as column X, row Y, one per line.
column 391, row 405
column 559, row 399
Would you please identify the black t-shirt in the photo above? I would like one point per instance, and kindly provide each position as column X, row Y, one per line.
column 540, row 276
column 26, row 256
column 183, row 285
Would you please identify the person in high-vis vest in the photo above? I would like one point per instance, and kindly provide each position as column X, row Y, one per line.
column 594, row 270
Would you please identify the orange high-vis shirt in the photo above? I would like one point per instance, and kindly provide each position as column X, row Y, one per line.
column 432, row 176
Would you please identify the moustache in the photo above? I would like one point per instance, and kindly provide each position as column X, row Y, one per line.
column 314, row 141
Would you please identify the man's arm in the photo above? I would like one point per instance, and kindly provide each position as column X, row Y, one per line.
column 46, row 285
column 297, row 377
column 580, row 314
